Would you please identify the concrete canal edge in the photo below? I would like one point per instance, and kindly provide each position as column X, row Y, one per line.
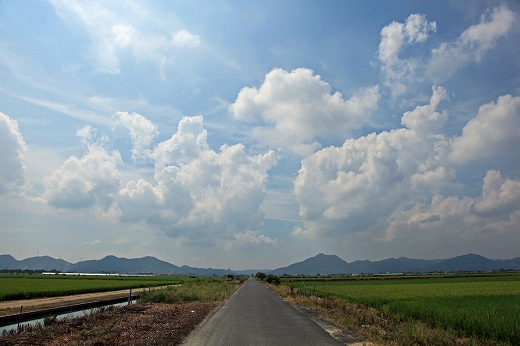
column 32, row 315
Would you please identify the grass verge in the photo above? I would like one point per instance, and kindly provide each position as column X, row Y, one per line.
column 198, row 290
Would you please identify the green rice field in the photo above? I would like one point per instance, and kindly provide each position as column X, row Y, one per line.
column 487, row 307
column 38, row 286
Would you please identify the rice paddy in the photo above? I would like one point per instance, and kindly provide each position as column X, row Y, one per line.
column 14, row 287
column 486, row 308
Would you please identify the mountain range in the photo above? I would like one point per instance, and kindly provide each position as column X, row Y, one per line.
column 332, row 264
column 319, row 264
column 108, row 264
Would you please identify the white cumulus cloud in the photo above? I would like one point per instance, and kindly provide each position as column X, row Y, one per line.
column 400, row 70
column 250, row 238
column 198, row 193
column 12, row 150
column 396, row 185
column 498, row 195
column 394, row 37
column 296, row 107
column 495, row 129
column 89, row 181
column 142, row 131
column 350, row 188
column 187, row 144
column 444, row 216
column 495, row 211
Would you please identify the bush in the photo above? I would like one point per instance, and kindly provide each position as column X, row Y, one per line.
column 261, row 276
column 272, row 279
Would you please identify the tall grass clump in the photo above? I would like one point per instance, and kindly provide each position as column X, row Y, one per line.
column 201, row 290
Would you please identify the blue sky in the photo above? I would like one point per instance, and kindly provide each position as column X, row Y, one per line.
column 243, row 135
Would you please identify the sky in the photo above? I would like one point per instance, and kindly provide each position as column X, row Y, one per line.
column 255, row 134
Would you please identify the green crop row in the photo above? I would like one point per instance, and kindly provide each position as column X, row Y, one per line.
column 38, row 286
column 487, row 308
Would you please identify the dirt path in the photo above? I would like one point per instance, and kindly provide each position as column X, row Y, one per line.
column 13, row 306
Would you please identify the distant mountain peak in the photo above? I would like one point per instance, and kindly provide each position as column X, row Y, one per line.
column 470, row 255
column 112, row 257
column 321, row 254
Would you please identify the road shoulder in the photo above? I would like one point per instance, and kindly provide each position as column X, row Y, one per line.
column 337, row 332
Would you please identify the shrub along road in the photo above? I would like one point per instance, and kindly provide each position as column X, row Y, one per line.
column 254, row 315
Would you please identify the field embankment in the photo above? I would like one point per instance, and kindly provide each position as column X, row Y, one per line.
column 444, row 311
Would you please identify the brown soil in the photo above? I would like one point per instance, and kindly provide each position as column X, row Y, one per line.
column 148, row 324
column 13, row 306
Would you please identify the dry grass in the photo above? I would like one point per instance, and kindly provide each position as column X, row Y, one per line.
column 148, row 324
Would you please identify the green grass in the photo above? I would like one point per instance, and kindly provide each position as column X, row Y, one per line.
column 493, row 317
column 14, row 287
column 202, row 290
column 486, row 308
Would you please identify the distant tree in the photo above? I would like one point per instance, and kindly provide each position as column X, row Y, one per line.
column 261, row 276
column 272, row 279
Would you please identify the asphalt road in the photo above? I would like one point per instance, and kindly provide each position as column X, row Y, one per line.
column 254, row 315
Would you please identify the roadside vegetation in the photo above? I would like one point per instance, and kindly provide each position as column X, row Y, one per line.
column 425, row 310
column 269, row 278
column 207, row 289
column 14, row 287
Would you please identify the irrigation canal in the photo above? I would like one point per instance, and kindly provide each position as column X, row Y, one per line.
column 33, row 317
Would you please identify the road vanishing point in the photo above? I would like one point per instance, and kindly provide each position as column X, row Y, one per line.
column 254, row 315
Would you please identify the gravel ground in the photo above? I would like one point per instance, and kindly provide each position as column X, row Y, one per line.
column 148, row 324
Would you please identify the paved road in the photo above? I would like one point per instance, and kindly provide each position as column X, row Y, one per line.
column 254, row 315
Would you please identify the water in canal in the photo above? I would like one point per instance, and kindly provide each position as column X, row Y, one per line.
column 67, row 315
